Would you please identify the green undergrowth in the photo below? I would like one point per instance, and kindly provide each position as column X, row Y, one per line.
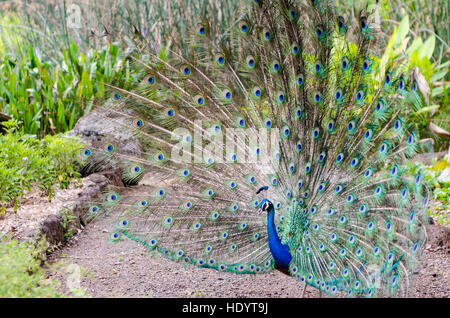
column 27, row 162
column 437, row 179
column 21, row 274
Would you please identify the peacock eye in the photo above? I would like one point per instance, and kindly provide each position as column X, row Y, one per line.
column 317, row 66
column 363, row 22
column 319, row 31
column 201, row 29
column 300, row 79
column 359, row 95
column 388, row 79
column 365, row 65
column 345, row 63
column 295, row 48
column 317, row 96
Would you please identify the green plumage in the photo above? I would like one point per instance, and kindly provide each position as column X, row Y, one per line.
column 292, row 98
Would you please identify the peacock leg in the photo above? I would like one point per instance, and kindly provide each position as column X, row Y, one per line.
column 304, row 289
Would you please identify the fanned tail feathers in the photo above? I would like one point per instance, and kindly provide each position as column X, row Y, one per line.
column 311, row 114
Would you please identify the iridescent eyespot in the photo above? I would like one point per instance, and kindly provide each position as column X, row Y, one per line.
column 257, row 92
column 170, row 112
column 365, row 64
column 199, row 99
column 220, row 59
column 363, row 23
column 295, row 48
column 387, row 79
column 276, row 66
column 330, row 125
column 345, row 63
column 359, row 95
column 267, row 34
column 201, row 29
column 300, row 79
column 317, row 66
column 186, row 70
column 227, row 94
column 317, row 97
column 341, row 22
column 243, row 26
column 383, row 148
column 319, row 31
column 251, row 62
column 368, row 173
column 150, row 79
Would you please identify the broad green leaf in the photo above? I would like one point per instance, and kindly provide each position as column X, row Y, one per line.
column 429, row 46
column 402, row 31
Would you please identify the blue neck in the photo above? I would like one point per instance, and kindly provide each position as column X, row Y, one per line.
column 279, row 251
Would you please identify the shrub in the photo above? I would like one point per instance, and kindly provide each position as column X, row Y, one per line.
column 21, row 274
column 26, row 161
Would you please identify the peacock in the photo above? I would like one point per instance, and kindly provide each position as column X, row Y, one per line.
column 278, row 143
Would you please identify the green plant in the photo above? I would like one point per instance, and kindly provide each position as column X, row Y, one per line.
column 419, row 30
column 52, row 25
column 49, row 98
column 26, row 162
column 68, row 219
column 438, row 184
column 21, row 274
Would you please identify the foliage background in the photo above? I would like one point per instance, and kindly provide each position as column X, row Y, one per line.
column 52, row 73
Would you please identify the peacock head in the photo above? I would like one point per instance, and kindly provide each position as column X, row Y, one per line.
column 265, row 206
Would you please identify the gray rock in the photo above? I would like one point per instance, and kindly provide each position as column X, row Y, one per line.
column 100, row 127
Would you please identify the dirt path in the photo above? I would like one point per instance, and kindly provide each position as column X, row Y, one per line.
column 125, row 269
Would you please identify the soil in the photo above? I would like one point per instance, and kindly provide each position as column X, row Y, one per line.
column 125, row 269
column 89, row 265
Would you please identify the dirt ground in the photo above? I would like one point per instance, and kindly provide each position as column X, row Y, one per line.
column 89, row 265
column 125, row 269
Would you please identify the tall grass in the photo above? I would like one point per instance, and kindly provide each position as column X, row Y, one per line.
column 50, row 98
column 53, row 24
